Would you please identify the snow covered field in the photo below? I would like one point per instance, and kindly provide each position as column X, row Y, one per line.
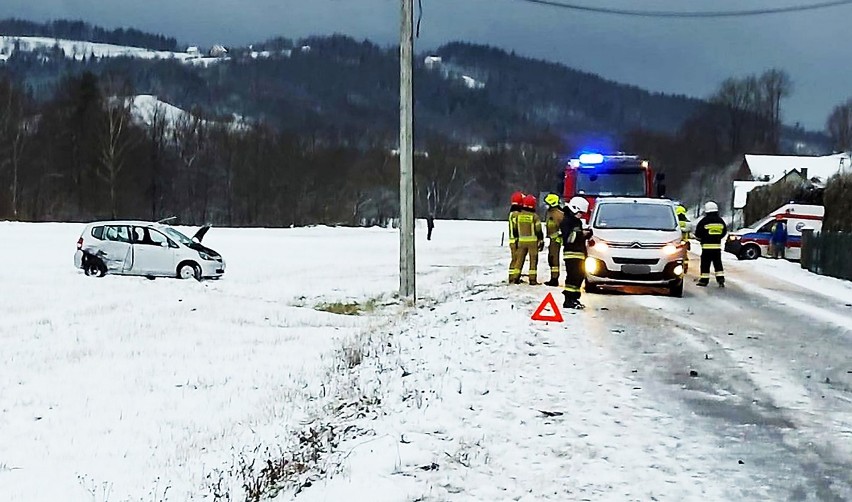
column 78, row 49
column 123, row 388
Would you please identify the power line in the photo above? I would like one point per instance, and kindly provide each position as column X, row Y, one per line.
column 687, row 14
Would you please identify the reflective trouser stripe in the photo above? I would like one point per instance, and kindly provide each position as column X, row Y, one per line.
column 554, row 270
column 526, row 240
column 705, row 276
column 572, row 289
column 711, row 246
column 720, row 273
column 573, row 255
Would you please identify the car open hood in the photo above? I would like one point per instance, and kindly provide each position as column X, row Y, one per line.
column 629, row 236
column 199, row 236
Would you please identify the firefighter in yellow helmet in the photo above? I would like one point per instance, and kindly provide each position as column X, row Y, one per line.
column 683, row 222
column 517, row 206
column 530, row 241
column 553, row 219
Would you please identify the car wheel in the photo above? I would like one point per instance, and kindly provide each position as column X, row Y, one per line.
column 95, row 269
column 676, row 290
column 189, row 270
column 750, row 252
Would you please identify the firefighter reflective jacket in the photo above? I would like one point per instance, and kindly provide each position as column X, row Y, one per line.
column 710, row 231
column 553, row 221
column 529, row 228
column 573, row 237
column 513, row 224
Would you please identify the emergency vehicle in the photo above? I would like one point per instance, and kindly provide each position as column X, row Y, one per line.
column 594, row 175
column 753, row 242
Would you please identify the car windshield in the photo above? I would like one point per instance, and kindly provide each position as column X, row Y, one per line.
column 174, row 234
column 611, row 183
column 636, row 216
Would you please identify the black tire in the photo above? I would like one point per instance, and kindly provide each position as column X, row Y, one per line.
column 189, row 270
column 676, row 290
column 749, row 252
column 95, row 268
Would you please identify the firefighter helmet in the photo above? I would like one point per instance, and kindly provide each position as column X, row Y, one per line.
column 517, row 198
column 680, row 209
column 711, row 207
column 529, row 201
column 552, row 200
column 578, row 205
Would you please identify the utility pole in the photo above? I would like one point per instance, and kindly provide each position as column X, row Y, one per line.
column 406, row 153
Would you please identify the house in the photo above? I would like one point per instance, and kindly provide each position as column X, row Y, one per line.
column 432, row 62
column 218, row 51
column 760, row 170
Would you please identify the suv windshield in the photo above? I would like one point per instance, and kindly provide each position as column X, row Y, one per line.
column 174, row 234
column 611, row 183
column 635, row 216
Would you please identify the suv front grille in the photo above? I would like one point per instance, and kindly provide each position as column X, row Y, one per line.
column 636, row 245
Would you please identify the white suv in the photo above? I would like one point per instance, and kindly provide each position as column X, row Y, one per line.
column 147, row 249
column 636, row 241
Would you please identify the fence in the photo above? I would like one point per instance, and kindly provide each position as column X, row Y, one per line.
column 827, row 253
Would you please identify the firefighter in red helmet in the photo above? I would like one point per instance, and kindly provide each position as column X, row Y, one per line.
column 517, row 205
column 530, row 240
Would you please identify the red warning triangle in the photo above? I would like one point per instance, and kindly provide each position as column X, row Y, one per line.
column 548, row 304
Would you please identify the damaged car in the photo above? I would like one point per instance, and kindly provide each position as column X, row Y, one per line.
column 148, row 249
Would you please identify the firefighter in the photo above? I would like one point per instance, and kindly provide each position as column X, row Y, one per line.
column 574, row 238
column 530, row 240
column 683, row 222
column 517, row 204
column 553, row 220
column 710, row 231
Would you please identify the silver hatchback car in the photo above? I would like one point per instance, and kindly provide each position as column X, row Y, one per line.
column 147, row 249
column 636, row 241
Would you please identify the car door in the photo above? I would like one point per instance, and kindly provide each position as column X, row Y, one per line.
column 153, row 252
column 115, row 250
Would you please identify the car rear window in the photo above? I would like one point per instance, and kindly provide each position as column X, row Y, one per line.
column 98, row 233
column 636, row 216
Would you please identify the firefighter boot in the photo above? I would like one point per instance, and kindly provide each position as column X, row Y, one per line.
column 702, row 283
column 552, row 282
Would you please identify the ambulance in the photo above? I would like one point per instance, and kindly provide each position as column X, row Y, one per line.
column 753, row 242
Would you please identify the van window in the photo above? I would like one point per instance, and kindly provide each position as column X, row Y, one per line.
column 636, row 216
column 765, row 229
column 98, row 233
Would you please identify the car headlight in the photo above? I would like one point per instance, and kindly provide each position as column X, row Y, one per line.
column 733, row 237
column 678, row 270
column 205, row 256
column 592, row 265
column 671, row 248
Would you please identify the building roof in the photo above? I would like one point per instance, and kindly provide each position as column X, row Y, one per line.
column 741, row 190
column 772, row 168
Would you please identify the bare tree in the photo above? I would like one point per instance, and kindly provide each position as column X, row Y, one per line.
column 15, row 131
column 116, row 139
column 775, row 85
column 839, row 126
column 189, row 137
column 157, row 137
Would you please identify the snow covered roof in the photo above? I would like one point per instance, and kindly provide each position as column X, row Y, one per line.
column 741, row 190
column 774, row 167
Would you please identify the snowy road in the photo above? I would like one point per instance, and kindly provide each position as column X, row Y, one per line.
column 736, row 394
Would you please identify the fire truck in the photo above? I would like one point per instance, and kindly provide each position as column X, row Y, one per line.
column 594, row 175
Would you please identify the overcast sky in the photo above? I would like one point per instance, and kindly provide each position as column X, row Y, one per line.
column 676, row 56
